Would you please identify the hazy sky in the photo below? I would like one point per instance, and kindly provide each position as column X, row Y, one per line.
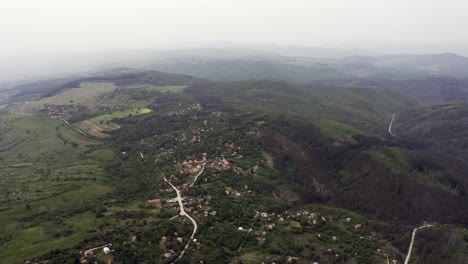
column 81, row 25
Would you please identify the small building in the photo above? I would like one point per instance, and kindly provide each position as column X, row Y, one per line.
column 358, row 226
column 157, row 202
column 106, row 250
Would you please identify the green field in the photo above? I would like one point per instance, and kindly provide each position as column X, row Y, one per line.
column 42, row 173
column 32, row 139
column 80, row 95
column 28, row 242
column 97, row 125
column 335, row 129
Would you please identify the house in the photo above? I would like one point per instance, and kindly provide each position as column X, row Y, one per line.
column 88, row 252
column 357, row 226
column 83, row 261
column 173, row 200
column 163, row 239
column 134, row 238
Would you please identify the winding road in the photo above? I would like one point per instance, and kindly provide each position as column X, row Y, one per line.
column 391, row 124
column 21, row 110
column 183, row 213
column 408, row 256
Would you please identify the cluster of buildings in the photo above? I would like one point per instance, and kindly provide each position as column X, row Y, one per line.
column 54, row 110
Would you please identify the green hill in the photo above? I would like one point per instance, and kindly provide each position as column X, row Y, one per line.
column 369, row 109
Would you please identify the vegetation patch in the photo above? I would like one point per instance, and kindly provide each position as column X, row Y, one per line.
column 96, row 126
column 80, row 95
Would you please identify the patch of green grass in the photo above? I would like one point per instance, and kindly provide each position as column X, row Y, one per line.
column 85, row 190
column 397, row 154
column 336, row 129
column 31, row 138
column 103, row 154
column 251, row 257
column 36, row 241
column 393, row 156
column 99, row 124
column 295, row 224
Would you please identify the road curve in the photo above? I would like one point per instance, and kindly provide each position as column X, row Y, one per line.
column 196, row 177
column 391, row 124
column 183, row 213
column 408, row 256
column 21, row 110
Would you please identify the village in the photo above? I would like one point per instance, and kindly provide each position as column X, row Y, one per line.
column 181, row 194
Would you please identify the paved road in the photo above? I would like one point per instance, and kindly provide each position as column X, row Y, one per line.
column 183, row 213
column 408, row 256
column 390, row 126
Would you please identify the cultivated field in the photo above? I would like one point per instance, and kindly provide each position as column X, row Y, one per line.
column 80, row 95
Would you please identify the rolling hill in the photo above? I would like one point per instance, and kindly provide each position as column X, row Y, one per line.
column 257, row 161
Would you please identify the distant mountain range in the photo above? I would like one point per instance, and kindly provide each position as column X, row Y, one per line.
column 240, row 62
column 306, row 69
